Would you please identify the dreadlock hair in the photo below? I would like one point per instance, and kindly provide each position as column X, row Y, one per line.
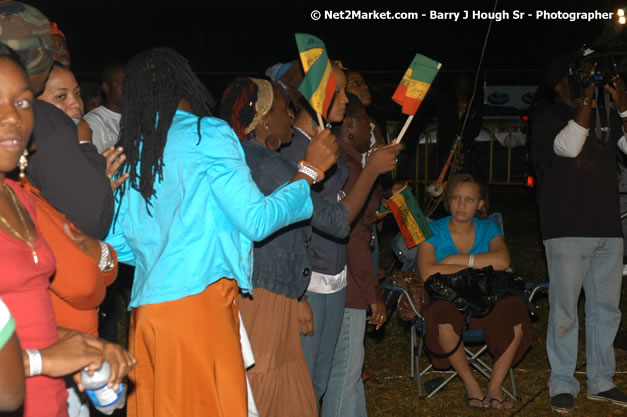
column 155, row 81
column 237, row 105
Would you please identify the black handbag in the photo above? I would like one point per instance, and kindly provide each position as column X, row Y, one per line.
column 469, row 290
column 474, row 292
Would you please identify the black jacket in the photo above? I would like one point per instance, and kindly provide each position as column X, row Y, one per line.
column 71, row 176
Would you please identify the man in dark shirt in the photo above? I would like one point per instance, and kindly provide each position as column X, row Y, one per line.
column 70, row 174
column 579, row 216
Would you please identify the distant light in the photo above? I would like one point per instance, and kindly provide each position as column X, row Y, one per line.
column 529, row 181
column 621, row 20
column 525, row 118
column 620, row 12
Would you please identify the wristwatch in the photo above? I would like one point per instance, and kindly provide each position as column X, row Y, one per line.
column 106, row 259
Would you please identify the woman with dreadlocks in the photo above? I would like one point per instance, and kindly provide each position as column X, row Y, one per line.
column 276, row 315
column 187, row 220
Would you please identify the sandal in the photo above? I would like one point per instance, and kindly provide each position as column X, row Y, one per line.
column 500, row 404
column 480, row 400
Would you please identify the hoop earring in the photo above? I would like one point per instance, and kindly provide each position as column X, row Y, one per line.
column 23, row 163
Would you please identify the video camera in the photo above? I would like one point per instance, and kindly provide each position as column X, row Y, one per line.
column 598, row 63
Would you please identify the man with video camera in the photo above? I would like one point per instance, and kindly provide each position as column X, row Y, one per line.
column 580, row 220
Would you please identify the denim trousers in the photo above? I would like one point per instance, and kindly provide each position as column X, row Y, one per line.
column 328, row 310
column 345, row 395
column 77, row 406
column 594, row 264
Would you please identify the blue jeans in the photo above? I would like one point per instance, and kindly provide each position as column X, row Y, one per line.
column 318, row 349
column 594, row 264
column 345, row 396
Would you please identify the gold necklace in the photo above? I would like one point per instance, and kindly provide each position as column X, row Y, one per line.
column 29, row 240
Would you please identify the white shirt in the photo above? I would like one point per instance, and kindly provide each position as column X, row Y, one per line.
column 105, row 125
column 327, row 284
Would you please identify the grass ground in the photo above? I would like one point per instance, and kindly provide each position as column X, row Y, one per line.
column 388, row 351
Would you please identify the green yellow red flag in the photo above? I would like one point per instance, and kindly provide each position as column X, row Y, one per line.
column 408, row 215
column 318, row 86
column 415, row 83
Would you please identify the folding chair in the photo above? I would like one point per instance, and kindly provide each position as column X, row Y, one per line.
column 474, row 341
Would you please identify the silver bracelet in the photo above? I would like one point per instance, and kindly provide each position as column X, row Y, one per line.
column 34, row 361
column 105, row 255
column 471, row 261
column 309, row 172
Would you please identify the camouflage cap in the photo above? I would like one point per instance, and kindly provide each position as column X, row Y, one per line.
column 27, row 31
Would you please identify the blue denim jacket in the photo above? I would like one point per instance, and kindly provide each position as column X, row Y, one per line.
column 282, row 262
column 206, row 212
column 328, row 254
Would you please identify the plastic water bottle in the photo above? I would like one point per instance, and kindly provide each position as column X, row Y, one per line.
column 105, row 399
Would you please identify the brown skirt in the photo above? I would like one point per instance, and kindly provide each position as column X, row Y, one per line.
column 497, row 327
column 280, row 379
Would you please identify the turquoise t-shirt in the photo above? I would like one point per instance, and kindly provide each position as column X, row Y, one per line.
column 485, row 231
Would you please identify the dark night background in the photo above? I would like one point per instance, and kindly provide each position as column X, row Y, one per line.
column 240, row 37
column 226, row 39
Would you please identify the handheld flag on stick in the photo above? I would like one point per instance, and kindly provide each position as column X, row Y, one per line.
column 414, row 86
column 408, row 215
column 318, row 86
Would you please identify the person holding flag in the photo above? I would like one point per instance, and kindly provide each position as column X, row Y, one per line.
column 326, row 293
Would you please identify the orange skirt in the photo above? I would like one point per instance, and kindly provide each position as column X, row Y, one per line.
column 189, row 360
column 280, row 378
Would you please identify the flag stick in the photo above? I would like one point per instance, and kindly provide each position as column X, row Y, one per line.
column 404, row 129
column 320, row 121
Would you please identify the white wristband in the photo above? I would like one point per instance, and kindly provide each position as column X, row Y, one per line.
column 34, row 361
column 622, row 114
column 309, row 172
column 471, row 261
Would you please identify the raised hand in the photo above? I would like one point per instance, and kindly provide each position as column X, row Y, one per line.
column 618, row 92
column 383, row 159
column 322, row 151
column 84, row 131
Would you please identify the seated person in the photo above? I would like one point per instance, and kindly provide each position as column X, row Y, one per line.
column 465, row 239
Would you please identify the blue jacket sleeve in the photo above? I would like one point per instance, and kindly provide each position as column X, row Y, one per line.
column 255, row 215
column 330, row 218
column 118, row 241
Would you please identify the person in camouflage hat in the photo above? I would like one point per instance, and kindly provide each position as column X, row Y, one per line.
column 27, row 31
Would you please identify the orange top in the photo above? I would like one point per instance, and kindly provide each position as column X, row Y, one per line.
column 78, row 286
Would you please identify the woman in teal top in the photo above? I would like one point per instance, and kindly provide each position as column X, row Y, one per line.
column 186, row 219
column 460, row 241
